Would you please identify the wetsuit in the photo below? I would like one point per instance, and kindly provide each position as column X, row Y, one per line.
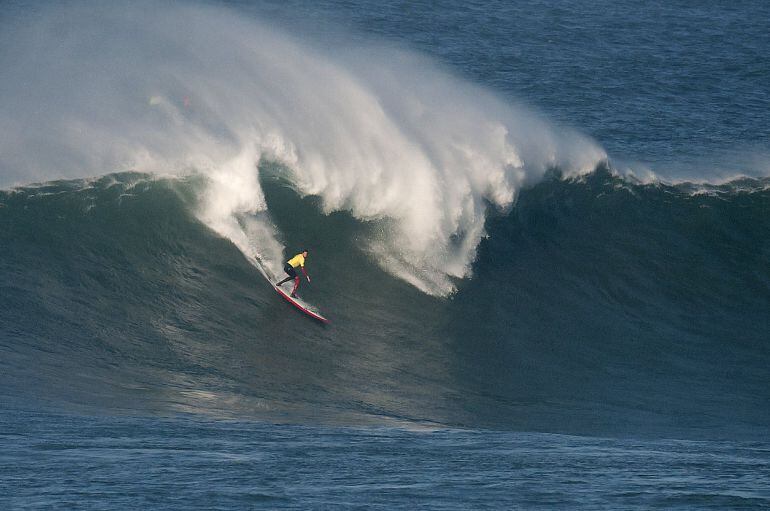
column 298, row 261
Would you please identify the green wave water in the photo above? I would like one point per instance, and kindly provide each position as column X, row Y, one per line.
column 596, row 306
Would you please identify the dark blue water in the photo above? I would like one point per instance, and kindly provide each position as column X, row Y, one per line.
column 610, row 351
column 118, row 463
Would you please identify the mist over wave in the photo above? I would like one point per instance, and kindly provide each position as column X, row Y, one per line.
column 172, row 88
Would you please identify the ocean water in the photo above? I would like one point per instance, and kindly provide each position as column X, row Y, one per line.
column 120, row 462
column 540, row 232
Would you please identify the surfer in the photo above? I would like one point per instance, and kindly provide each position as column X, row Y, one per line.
column 298, row 261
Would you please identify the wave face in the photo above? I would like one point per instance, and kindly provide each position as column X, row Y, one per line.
column 175, row 88
column 597, row 306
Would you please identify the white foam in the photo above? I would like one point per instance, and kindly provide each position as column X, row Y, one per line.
column 157, row 87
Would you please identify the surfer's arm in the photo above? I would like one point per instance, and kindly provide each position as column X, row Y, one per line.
column 305, row 272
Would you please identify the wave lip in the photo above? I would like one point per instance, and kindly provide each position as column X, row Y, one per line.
column 383, row 134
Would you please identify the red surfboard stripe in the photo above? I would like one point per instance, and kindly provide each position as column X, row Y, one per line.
column 306, row 311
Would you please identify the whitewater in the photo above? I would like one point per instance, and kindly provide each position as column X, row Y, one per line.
column 382, row 133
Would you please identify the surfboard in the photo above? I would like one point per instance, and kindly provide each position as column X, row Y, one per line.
column 300, row 304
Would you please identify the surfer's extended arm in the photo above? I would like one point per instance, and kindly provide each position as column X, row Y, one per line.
column 305, row 272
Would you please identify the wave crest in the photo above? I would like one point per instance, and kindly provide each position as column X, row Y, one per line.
column 384, row 134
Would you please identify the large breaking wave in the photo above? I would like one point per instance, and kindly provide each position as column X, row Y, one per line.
column 170, row 88
column 597, row 306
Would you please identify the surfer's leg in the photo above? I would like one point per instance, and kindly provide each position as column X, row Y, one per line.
column 287, row 279
column 291, row 274
column 296, row 285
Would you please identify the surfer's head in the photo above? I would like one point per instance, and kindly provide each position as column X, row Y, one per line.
column 304, row 253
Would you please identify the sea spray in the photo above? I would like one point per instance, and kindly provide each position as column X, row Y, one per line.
column 173, row 89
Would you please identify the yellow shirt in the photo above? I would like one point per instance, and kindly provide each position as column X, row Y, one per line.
column 297, row 261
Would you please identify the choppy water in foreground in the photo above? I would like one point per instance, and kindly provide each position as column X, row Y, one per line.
column 59, row 461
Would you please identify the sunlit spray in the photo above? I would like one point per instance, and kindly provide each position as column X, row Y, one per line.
column 91, row 88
